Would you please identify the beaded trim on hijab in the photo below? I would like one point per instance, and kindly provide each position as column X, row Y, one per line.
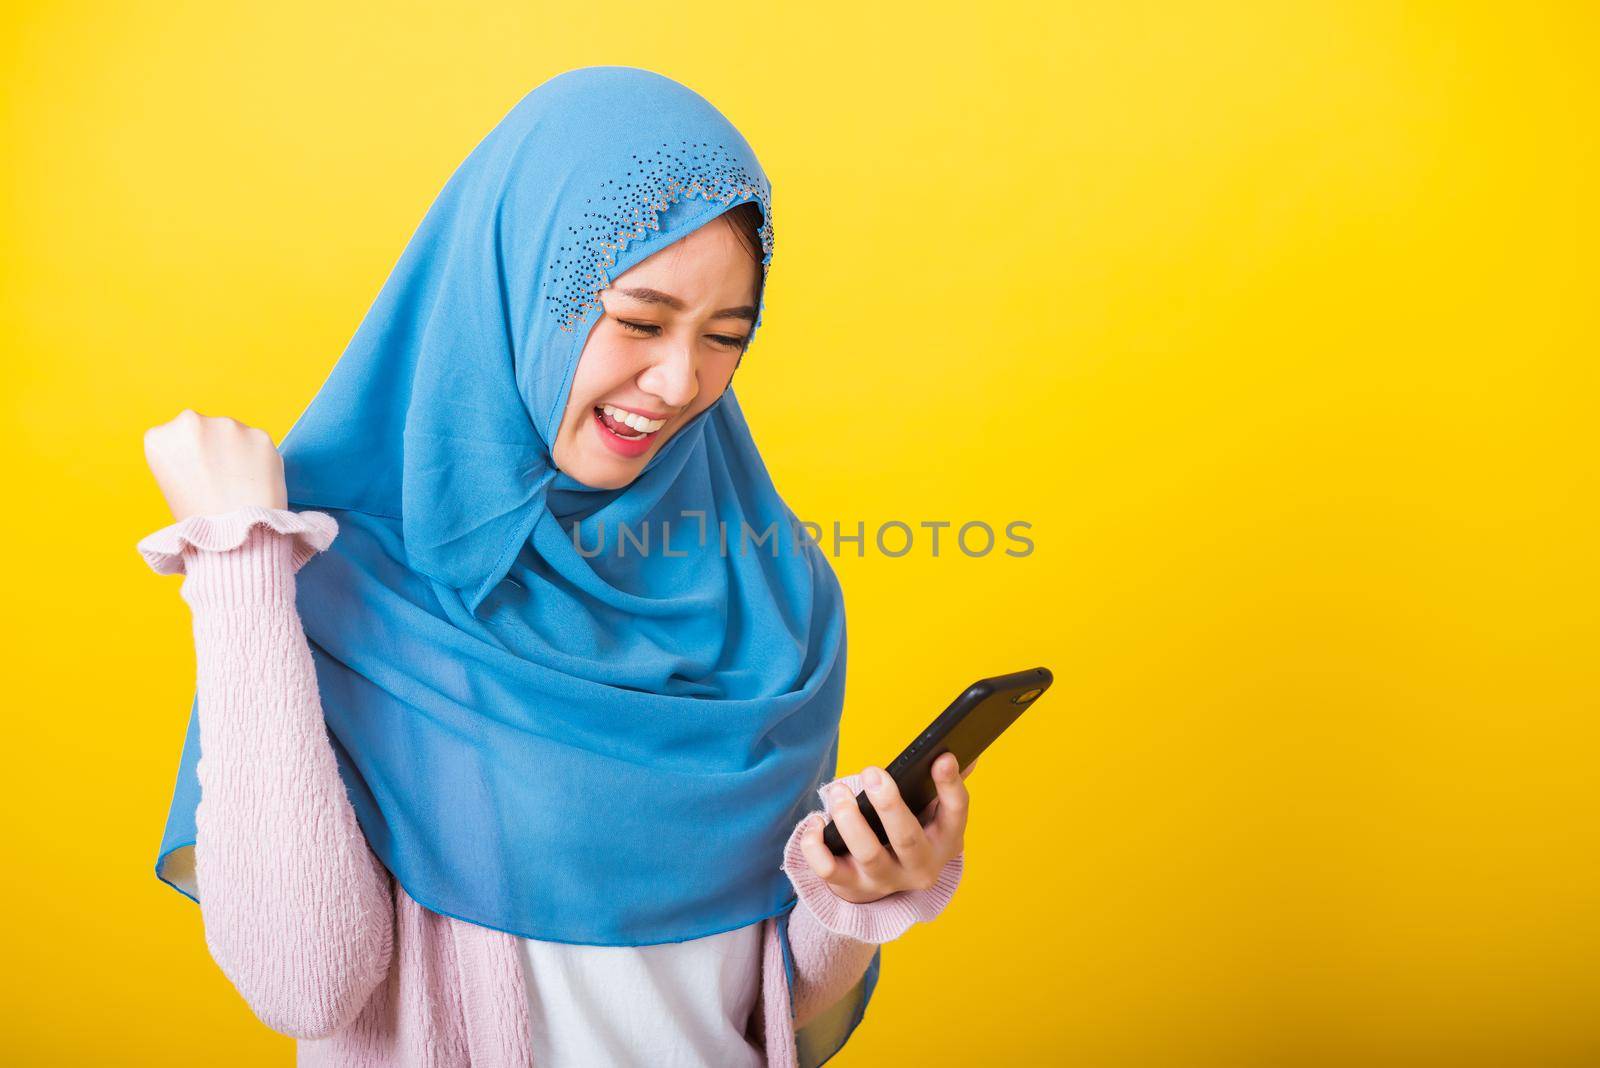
column 664, row 178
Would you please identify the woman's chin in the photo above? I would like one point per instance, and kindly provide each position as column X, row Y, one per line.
column 604, row 472
column 602, row 464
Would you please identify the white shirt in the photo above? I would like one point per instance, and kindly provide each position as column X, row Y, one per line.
column 674, row 1005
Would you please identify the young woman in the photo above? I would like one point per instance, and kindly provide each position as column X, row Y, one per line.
column 515, row 677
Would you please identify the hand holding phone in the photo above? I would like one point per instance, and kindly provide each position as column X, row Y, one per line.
column 971, row 723
column 917, row 850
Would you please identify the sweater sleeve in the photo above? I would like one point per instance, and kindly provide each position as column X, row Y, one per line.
column 833, row 939
column 297, row 909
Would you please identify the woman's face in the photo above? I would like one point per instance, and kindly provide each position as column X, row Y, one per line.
column 674, row 327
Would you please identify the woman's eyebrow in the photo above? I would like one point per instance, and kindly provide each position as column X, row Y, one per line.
column 655, row 296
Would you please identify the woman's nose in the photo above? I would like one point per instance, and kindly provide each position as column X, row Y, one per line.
column 673, row 376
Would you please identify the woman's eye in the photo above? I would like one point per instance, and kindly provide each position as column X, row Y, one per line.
column 651, row 330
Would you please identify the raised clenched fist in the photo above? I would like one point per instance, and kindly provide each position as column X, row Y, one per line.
column 209, row 464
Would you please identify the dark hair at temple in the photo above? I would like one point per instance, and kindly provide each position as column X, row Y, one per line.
column 745, row 219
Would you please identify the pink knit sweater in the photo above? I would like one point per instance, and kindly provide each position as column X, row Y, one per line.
column 301, row 916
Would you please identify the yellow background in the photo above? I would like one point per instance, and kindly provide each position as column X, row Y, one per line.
column 1275, row 320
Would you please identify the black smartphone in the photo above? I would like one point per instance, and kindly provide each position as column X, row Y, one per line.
column 968, row 727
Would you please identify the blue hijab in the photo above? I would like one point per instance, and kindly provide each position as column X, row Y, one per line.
column 602, row 748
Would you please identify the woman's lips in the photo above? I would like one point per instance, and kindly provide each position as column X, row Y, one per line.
column 627, row 447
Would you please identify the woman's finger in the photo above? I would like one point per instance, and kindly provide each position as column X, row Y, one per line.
column 871, row 858
column 925, row 817
column 906, row 836
column 950, row 821
column 828, row 867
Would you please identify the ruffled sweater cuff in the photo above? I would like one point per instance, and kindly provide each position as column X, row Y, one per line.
column 239, row 560
column 164, row 550
column 875, row 921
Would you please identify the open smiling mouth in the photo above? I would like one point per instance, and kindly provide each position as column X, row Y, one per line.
column 626, row 426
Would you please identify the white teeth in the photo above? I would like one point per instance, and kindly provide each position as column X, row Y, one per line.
column 637, row 422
